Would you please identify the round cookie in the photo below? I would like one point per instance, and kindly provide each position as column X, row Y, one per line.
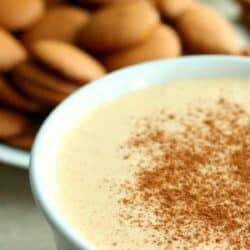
column 29, row 72
column 246, row 16
column 11, row 123
column 244, row 3
column 101, row 2
column 51, row 3
column 105, row 2
column 61, row 22
column 172, row 9
column 163, row 43
column 17, row 15
column 10, row 97
column 245, row 6
column 119, row 26
column 41, row 94
column 245, row 52
column 25, row 139
column 11, row 51
column 204, row 31
column 68, row 60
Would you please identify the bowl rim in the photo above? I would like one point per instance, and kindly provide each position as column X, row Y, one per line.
column 55, row 220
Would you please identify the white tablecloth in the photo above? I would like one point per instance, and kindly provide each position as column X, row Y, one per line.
column 22, row 226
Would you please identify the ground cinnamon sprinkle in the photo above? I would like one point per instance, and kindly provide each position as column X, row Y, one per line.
column 192, row 183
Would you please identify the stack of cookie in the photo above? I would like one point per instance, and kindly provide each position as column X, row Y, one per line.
column 39, row 64
column 49, row 48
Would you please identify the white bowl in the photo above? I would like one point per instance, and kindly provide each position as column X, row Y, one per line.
column 46, row 147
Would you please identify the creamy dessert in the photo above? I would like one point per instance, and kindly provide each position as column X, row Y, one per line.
column 167, row 167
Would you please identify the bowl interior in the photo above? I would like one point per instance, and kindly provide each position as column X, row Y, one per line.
column 47, row 144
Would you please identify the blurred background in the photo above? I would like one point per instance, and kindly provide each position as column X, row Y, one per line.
column 50, row 48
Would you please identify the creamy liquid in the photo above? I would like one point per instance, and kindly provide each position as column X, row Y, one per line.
column 91, row 163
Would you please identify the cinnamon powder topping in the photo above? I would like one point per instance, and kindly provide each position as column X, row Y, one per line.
column 192, row 178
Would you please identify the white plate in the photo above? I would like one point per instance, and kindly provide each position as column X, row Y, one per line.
column 14, row 157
